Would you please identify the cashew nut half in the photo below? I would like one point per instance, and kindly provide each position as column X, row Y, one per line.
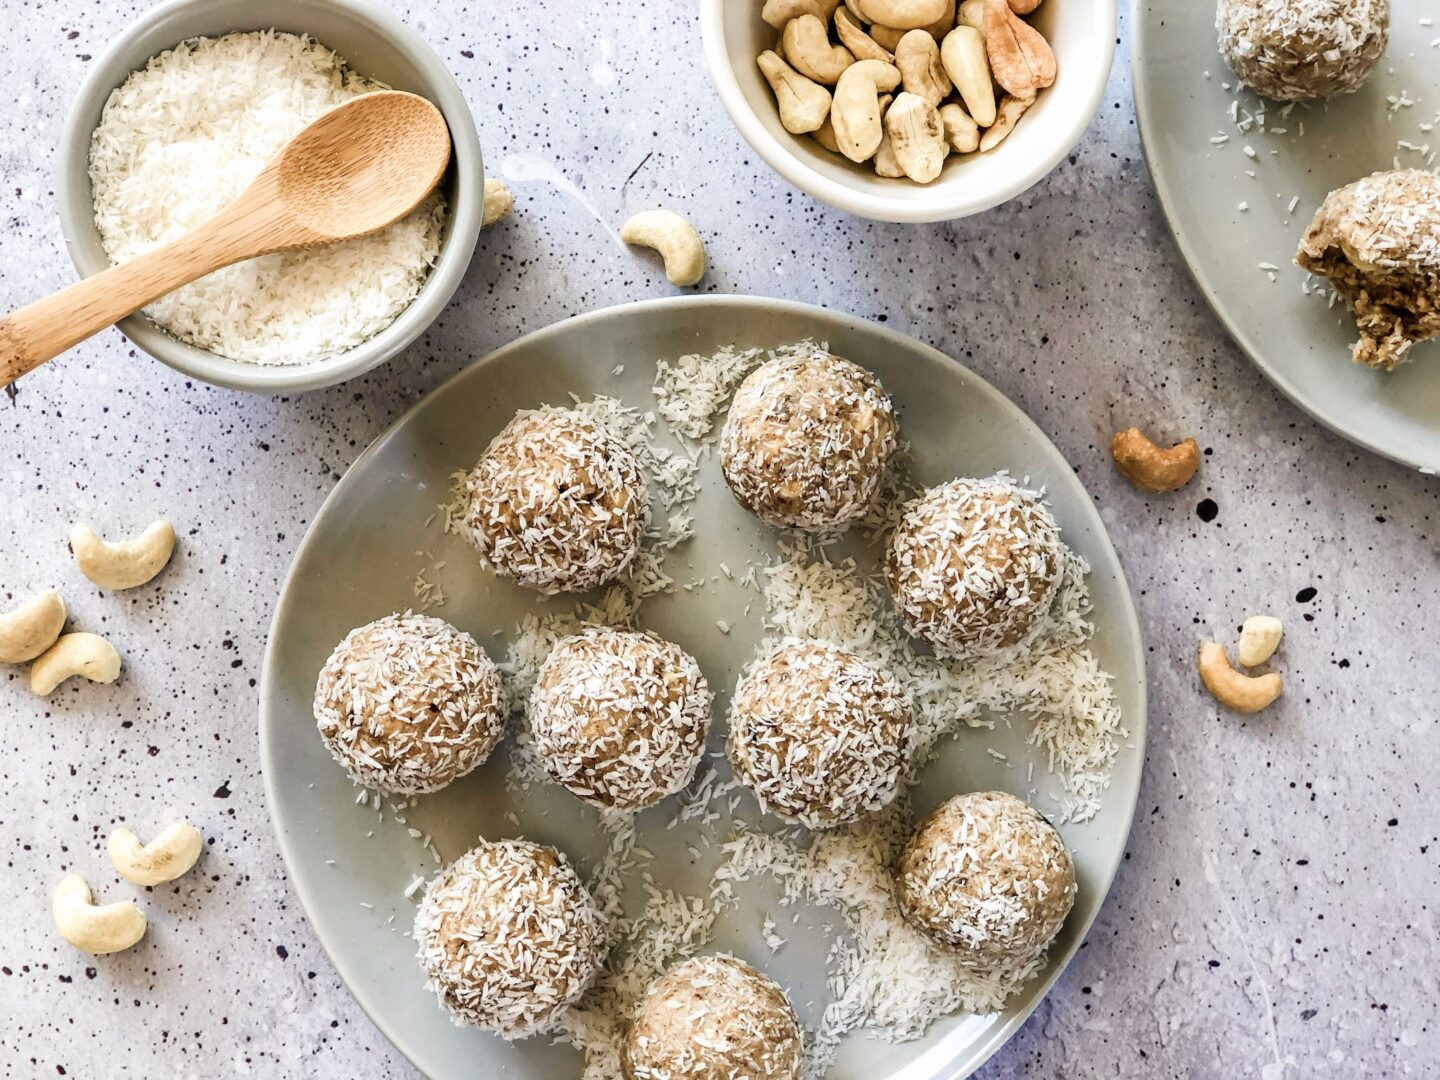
column 31, row 628
column 853, row 36
column 807, row 47
column 93, row 928
column 165, row 858
column 921, row 72
column 961, row 132
column 972, row 14
column 1020, row 57
column 498, row 202
column 918, row 137
column 779, row 12
column 904, row 14
column 127, row 564
column 963, row 54
column 856, row 114
column 1243, row 693
column 1006, row 117
column 1259, row 638
column 804, row 104
column 671, row 235
column 1153, row 468
column 87, row 655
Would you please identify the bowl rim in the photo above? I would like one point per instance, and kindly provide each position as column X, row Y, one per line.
column 901, row 209
column 73, row 195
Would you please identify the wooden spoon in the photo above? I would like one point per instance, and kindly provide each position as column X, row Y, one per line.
column 359, row 167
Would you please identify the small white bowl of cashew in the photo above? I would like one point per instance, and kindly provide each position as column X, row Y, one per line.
column 1081, row 33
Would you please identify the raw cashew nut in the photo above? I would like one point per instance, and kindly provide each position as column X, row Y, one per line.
column 31, row 628
column 1242, row 693
column 126, row 564
column 1153, row 468
column 918, row 136
column 165, row 858
column 779, row 12
column 861, row 45
column 1020, row 57
column 807, row 47
column 803, row 104
column 825, row 136
column 856, row 113
column 963, row 54
column 885, row 162
column 972, row 14
column 87, row 655
column 1006, row 117
column 94, row 928
column 903, row 14
column 961, row 132
column 498, row 202
column 1259, row 638
column 672, row 236
column 921, row 72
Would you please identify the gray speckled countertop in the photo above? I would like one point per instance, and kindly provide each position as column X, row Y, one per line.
column 1279, row 897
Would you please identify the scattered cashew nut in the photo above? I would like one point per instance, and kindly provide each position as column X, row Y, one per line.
column 93, row 928
column 31, row 628
column 804, row 104
column 87, row 655
column 963, row 54
column 1006, row 117
column 961, row 132
column 853, row 36
column 1153, row 468
column 1243, row 693
column 498, row 203
column 126, row 564
column 674, row 238
column 921, row 72
column 903, row 14
column 1259, row 638
column 917, row 136
column 856, row 113
column 808, row 49
column 1020, row 57
column 165, row 858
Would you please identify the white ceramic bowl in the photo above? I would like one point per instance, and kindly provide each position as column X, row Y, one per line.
column 376, row 44
column 1082, row 33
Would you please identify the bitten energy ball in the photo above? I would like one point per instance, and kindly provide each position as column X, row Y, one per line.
column 1303, row 50
column 713, row 1018
column 821, row 737
column 620, row 717
column 807, row 440
column 988, row 877
column 1377, row 241
column 408, row 703
column 509, row 937
column 557, row 502
column 973, row 566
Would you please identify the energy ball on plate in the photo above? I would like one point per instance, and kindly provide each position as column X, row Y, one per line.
column 408, row 703
column 557, row 502
column 821, row 737
column 1377, row 241
column 1303, row 50
column 987, row 876
column 620, row 717
column 713, row 1018
column 509, row 937
column 807, row 440
column 973, row 566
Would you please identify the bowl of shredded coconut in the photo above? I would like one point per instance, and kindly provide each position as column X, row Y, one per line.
column 184, row 111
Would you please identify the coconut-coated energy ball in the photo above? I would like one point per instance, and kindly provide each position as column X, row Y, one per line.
column 1303, row 50
column 620, row 717
column 713, row 1018
column 408, row 703
column 986, row 876
column 807, row 440
column 509, row 937
column 1377, row 241
column 973, row 566
column 558, row 502
column 819, row 735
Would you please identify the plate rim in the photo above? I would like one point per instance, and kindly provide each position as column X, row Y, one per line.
column 1137, row 726
column 1291, row 389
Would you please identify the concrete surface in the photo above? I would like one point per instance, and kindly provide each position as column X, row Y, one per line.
column 1277, row 912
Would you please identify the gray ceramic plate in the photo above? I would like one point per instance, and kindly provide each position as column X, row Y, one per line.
column 359, row 561
column 1302, row 347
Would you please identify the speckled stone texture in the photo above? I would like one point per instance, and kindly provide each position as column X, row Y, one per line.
column 1276, row 914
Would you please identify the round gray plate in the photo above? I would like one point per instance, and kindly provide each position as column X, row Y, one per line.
column 1302, row 347
column 359, row 561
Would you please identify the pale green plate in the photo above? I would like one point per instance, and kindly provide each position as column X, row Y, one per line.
column 359, row 561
